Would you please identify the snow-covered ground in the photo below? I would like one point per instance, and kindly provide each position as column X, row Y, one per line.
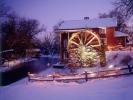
column 120, row 88
column 8, row 65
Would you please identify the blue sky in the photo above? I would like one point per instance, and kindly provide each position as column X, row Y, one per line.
column 50, row 12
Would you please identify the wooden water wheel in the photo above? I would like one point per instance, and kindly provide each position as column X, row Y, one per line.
column 83, row 48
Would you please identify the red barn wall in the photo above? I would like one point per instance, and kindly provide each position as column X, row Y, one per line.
column 111, row 40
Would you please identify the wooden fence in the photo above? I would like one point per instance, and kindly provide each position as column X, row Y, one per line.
column 83, row 76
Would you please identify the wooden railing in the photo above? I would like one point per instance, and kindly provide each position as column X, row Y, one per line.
column 84, row 76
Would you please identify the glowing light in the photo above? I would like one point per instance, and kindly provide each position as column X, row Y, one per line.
column 86, row 55
column 111, row 66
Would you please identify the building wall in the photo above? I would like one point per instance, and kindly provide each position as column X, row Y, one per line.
column 111, row 40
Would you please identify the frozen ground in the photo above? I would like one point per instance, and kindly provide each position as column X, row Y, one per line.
column 120, row 88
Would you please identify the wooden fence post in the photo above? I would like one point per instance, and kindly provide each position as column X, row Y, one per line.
column 86, row 76
column 29, row 76
column 53, row 77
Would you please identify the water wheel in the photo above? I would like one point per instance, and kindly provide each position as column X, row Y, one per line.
column 83, row 48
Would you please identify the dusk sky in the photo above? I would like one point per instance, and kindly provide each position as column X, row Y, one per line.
column 50, row 12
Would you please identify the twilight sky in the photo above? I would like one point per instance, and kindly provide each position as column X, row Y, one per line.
column 50, row 12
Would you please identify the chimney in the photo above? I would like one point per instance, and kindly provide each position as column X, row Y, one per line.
column 86, row 18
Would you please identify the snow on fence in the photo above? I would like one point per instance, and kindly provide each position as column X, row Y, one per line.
column 85, row 75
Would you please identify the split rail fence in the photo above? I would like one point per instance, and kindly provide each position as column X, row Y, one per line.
column 83, row 76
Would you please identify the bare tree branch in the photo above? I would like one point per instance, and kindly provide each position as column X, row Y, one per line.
column 4, row 10
column 125, row 6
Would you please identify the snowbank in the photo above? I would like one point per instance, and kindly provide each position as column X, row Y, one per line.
column 116, row 57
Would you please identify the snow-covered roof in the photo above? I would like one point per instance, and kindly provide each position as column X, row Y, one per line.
column 120, row 34
column 88, row 23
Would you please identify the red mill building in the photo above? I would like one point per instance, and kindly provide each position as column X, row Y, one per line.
column 80, row 34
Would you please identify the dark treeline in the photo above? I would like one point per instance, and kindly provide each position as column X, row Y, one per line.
column 19, row 33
